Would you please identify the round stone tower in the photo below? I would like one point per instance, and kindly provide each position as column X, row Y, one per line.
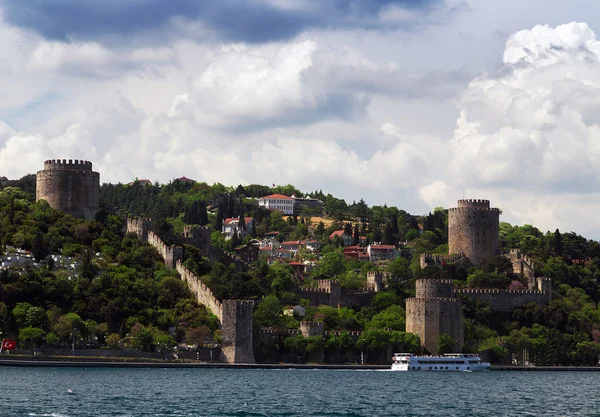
column 474, row 229
column 69, row 186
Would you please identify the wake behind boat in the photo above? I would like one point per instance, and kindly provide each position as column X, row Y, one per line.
column 455, row 362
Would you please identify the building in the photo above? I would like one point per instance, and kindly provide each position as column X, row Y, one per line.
column 307, row 204
column 379, row 252
column 143, row 182
column 231, row 226
column 474, row 230
column 356, row 253
column 295, row 245
column 69, row 186
column 248, row 253
column 186, row 179
column 278, row 202
column 346, row 238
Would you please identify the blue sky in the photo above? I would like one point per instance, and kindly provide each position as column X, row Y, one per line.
column 410, row 103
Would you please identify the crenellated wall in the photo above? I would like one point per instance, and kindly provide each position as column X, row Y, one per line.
column 507, row 300
column 198, row 236
column 235, row 316
column 329, row 292
column 171, row 254
column 522, row 264
column 427, row 259
column 204, row 294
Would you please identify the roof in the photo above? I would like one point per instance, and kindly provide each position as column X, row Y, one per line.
column 383, row 247
column 230, row 220
column 144, row 181
column 296, row 264
column 271, row 233
column 336, row 233
column 186, row 179
column 293, row 242
column 280, row 196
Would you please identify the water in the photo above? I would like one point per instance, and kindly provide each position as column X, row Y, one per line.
column 75, row 392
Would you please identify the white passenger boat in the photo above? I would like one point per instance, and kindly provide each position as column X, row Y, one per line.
column 456, row 362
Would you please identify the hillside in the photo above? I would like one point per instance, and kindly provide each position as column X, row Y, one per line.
column 121, row 288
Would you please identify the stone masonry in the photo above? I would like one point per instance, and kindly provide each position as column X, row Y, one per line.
column 433, row 311
column 69, row 186
column 474, row 229
column 234, row 316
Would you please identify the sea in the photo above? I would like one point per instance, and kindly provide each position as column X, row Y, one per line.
column 79, row 392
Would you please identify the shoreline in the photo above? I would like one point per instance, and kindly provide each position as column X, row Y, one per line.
column 75, row 362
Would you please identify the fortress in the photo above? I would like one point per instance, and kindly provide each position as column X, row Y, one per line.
column 69, row 186
column 473, row 233
column 234, row 316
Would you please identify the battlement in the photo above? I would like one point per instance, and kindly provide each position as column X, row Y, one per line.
column 468, row 291
column 311, row 328
column 72, row 164
column 434, row 288
column 417, row 300
column 314, row 289
column 464, row 209
column 474, row 203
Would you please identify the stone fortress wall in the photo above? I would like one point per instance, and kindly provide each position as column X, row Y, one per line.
column 329, row 292
column 433, row 311
column 539, row 292
column 474, row 229
column 69, row 186
column 235, row 316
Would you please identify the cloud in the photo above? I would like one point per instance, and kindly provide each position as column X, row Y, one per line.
column 252, row 21
column 528, row 135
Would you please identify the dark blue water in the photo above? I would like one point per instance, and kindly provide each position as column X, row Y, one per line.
column 74, row 392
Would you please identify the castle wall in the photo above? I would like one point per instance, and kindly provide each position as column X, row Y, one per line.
column 198, row 236
column 330, row 293
column 474, row 229
column 508, row 300
column 204, row 295
column 69, row 186
column 235, row 316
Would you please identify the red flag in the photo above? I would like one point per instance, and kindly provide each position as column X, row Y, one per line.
column 9, row 344
column 273, row 185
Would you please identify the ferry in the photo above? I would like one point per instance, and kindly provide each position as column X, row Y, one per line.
column 451, row 362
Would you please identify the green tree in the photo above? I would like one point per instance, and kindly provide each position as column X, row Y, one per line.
column 445, row 344
column 31, row 337
column 268, row 312
column 144, row 340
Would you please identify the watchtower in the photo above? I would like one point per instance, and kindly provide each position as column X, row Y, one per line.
column 69, row 186
column 435, row 311
column 474, row 229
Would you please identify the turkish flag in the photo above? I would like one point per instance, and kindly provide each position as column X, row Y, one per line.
column 9, row 344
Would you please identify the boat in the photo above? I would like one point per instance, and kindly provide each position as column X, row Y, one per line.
column 450, row 362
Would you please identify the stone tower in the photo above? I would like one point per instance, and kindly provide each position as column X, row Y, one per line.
column 474, row 229
column 69, row 186
column 435, row 311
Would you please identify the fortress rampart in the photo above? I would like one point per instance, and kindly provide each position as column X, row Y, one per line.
column 522, row 264
column 474, row 229
column 426, row 259
column 540, row 292
column 235, row 316
column 330, row 293
column 69, row 186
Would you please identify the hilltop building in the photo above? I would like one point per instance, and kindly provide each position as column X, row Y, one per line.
column 474, row 230
column 69, row 186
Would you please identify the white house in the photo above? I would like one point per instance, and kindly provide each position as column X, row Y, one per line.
column 346, row 238
column 279, row 202
column 378, row 252
column 231, row 225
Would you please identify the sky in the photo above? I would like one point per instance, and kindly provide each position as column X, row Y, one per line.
column 412, row 103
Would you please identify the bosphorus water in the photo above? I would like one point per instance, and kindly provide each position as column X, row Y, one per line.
column 79, row 392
